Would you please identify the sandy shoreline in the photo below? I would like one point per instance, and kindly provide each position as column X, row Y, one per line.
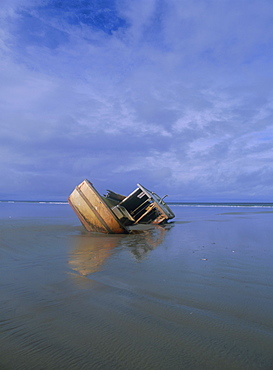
column 196, row 294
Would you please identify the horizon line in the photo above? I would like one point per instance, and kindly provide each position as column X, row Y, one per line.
column 170, row 202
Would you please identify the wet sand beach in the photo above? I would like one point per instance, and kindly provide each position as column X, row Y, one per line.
column 195, row 294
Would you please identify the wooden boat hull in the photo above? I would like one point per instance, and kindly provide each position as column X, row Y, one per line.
column 93, row 212
column 115, row 213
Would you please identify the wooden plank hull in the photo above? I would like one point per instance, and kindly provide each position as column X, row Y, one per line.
column 93, row 212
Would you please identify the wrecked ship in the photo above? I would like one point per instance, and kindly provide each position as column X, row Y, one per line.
column 114, row 213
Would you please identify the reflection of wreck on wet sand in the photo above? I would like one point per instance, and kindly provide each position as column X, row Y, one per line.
column 90, row 252
column 115, row 213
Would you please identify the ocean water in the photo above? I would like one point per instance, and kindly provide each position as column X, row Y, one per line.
column 194, row 294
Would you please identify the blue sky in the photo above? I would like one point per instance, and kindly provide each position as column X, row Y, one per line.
column 176, row 95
